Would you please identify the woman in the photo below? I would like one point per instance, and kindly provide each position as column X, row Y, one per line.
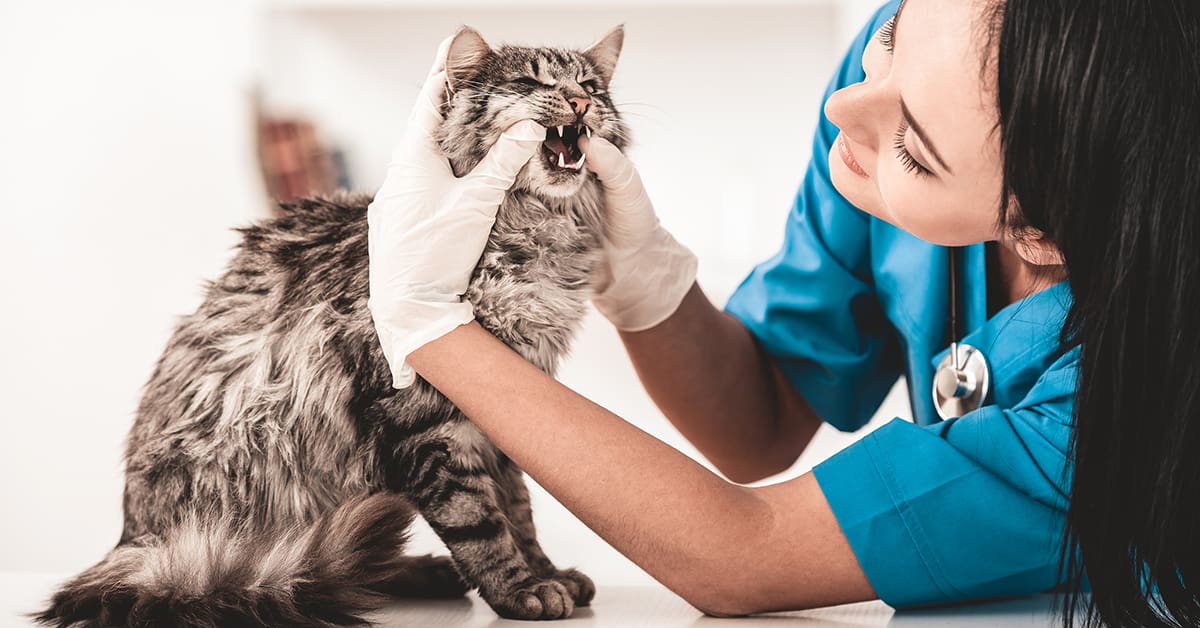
column 1055, row 140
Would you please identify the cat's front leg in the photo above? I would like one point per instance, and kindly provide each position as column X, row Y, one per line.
column 460, row 503
column 514, row 498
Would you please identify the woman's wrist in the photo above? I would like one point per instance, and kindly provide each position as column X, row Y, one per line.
column 644, row 287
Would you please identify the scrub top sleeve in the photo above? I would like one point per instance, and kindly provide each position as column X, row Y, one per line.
column 971, row 508
column 812, row 306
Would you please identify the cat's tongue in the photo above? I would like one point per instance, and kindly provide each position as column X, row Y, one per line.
column 558, row 150
column 556, row 144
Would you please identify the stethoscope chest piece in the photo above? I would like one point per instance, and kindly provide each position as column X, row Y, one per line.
column 961, row 382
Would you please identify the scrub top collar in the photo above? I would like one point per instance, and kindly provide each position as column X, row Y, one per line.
column 1020, row 341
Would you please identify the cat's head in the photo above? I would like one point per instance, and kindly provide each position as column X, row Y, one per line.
column 566, row 91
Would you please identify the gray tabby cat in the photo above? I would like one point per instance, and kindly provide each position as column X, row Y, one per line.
column 272, row 470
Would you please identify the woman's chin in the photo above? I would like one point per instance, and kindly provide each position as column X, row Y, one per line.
column 859, row 191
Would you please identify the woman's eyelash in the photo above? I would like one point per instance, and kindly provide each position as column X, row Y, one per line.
column 906, row 158
column 886, row 35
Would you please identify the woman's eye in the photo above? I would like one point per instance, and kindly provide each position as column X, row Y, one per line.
column 906, row 158
column 886, row 35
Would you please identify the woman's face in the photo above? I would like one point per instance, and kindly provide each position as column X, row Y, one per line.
column 919, row 146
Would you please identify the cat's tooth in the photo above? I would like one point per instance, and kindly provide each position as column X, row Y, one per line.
column 589, row 131
column 582, row 159
column 562, row 161
column 560, row 132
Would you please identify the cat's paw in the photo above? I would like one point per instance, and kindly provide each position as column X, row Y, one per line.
column 536, row 599
column 578, row 585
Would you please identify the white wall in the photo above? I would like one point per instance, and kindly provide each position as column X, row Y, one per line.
column 127, row 156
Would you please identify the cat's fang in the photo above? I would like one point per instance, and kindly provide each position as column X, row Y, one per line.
column 562, row 162
column 560, row 130
column 579, row 164
column 588, row 130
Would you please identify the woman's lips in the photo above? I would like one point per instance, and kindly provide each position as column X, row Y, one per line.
column 848, row 157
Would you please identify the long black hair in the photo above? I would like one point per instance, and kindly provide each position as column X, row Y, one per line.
column 1099, row 104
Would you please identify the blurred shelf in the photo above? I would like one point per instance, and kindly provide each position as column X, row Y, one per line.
column 356, row 5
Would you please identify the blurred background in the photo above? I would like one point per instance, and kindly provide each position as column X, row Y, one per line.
column 134, row 134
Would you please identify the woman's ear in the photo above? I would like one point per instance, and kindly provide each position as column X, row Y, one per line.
column 604, row 53
column 1035, row 248
column 467, row 52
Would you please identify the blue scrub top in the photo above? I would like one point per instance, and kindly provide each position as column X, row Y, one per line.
column 936, row 512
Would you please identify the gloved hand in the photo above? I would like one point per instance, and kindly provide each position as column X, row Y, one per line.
column 646, row 272
column 427, row 228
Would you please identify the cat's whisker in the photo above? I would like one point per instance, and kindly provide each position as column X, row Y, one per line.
column 618, row 132
column 623, row 105
column 629, row 114
column 492, row 88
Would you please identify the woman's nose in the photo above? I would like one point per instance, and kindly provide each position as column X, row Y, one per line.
column 580, row 105
column 855, row 112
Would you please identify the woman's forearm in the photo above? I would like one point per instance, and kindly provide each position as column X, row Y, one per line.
column 691, row 525
column 724, row 548
column 710, row 378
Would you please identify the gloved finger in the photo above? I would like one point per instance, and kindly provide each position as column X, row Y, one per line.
column 615, row 170
column 427, row 111
column 439, row 59
column 426, row 114
column 627, row 199
column 494, row 175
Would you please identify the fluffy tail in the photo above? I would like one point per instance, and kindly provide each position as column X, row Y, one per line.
column 214, row 575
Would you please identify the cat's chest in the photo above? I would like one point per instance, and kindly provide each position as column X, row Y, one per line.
column 532, row 283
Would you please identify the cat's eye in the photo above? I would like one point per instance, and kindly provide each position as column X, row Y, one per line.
column 590, row 86
column 529, row 80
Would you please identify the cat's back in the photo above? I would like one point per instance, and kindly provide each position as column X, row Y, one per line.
column 282, row 340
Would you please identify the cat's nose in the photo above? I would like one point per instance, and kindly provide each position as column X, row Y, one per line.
column 580, row 105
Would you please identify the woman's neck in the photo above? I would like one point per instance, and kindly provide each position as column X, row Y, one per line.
column 1015, row 277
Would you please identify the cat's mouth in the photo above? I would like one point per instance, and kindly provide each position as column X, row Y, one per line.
column 561, row 148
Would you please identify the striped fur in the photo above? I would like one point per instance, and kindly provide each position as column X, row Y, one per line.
column 272, row 470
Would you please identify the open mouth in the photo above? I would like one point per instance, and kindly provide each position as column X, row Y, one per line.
column 561, row 148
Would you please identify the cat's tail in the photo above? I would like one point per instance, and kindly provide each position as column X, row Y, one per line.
column 207, row 574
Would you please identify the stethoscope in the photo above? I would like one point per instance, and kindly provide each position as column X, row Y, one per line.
column 961, row 382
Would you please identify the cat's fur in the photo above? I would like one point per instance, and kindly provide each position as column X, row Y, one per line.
column 272, row 469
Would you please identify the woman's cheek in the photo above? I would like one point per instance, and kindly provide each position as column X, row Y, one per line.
column 896, row 196
column 910, row 204
column 935, row 218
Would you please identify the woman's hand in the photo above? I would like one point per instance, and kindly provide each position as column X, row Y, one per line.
column 646, row 271
column 427, row 228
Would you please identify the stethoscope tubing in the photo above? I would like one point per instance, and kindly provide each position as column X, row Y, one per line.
column 962, row 381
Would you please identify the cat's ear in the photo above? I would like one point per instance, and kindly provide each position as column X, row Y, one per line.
column 466, row 53
column 604, row 53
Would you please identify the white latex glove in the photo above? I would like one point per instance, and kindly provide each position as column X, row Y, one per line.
column 646, row 272
column 427, row 228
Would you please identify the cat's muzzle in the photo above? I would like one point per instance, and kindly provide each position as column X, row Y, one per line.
column 561, row 148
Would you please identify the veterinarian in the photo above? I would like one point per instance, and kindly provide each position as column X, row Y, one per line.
column 1018, row 181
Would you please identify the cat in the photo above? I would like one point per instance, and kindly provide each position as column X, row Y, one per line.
column 272, row 470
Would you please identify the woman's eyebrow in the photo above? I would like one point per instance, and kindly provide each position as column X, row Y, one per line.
column 921, row 135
